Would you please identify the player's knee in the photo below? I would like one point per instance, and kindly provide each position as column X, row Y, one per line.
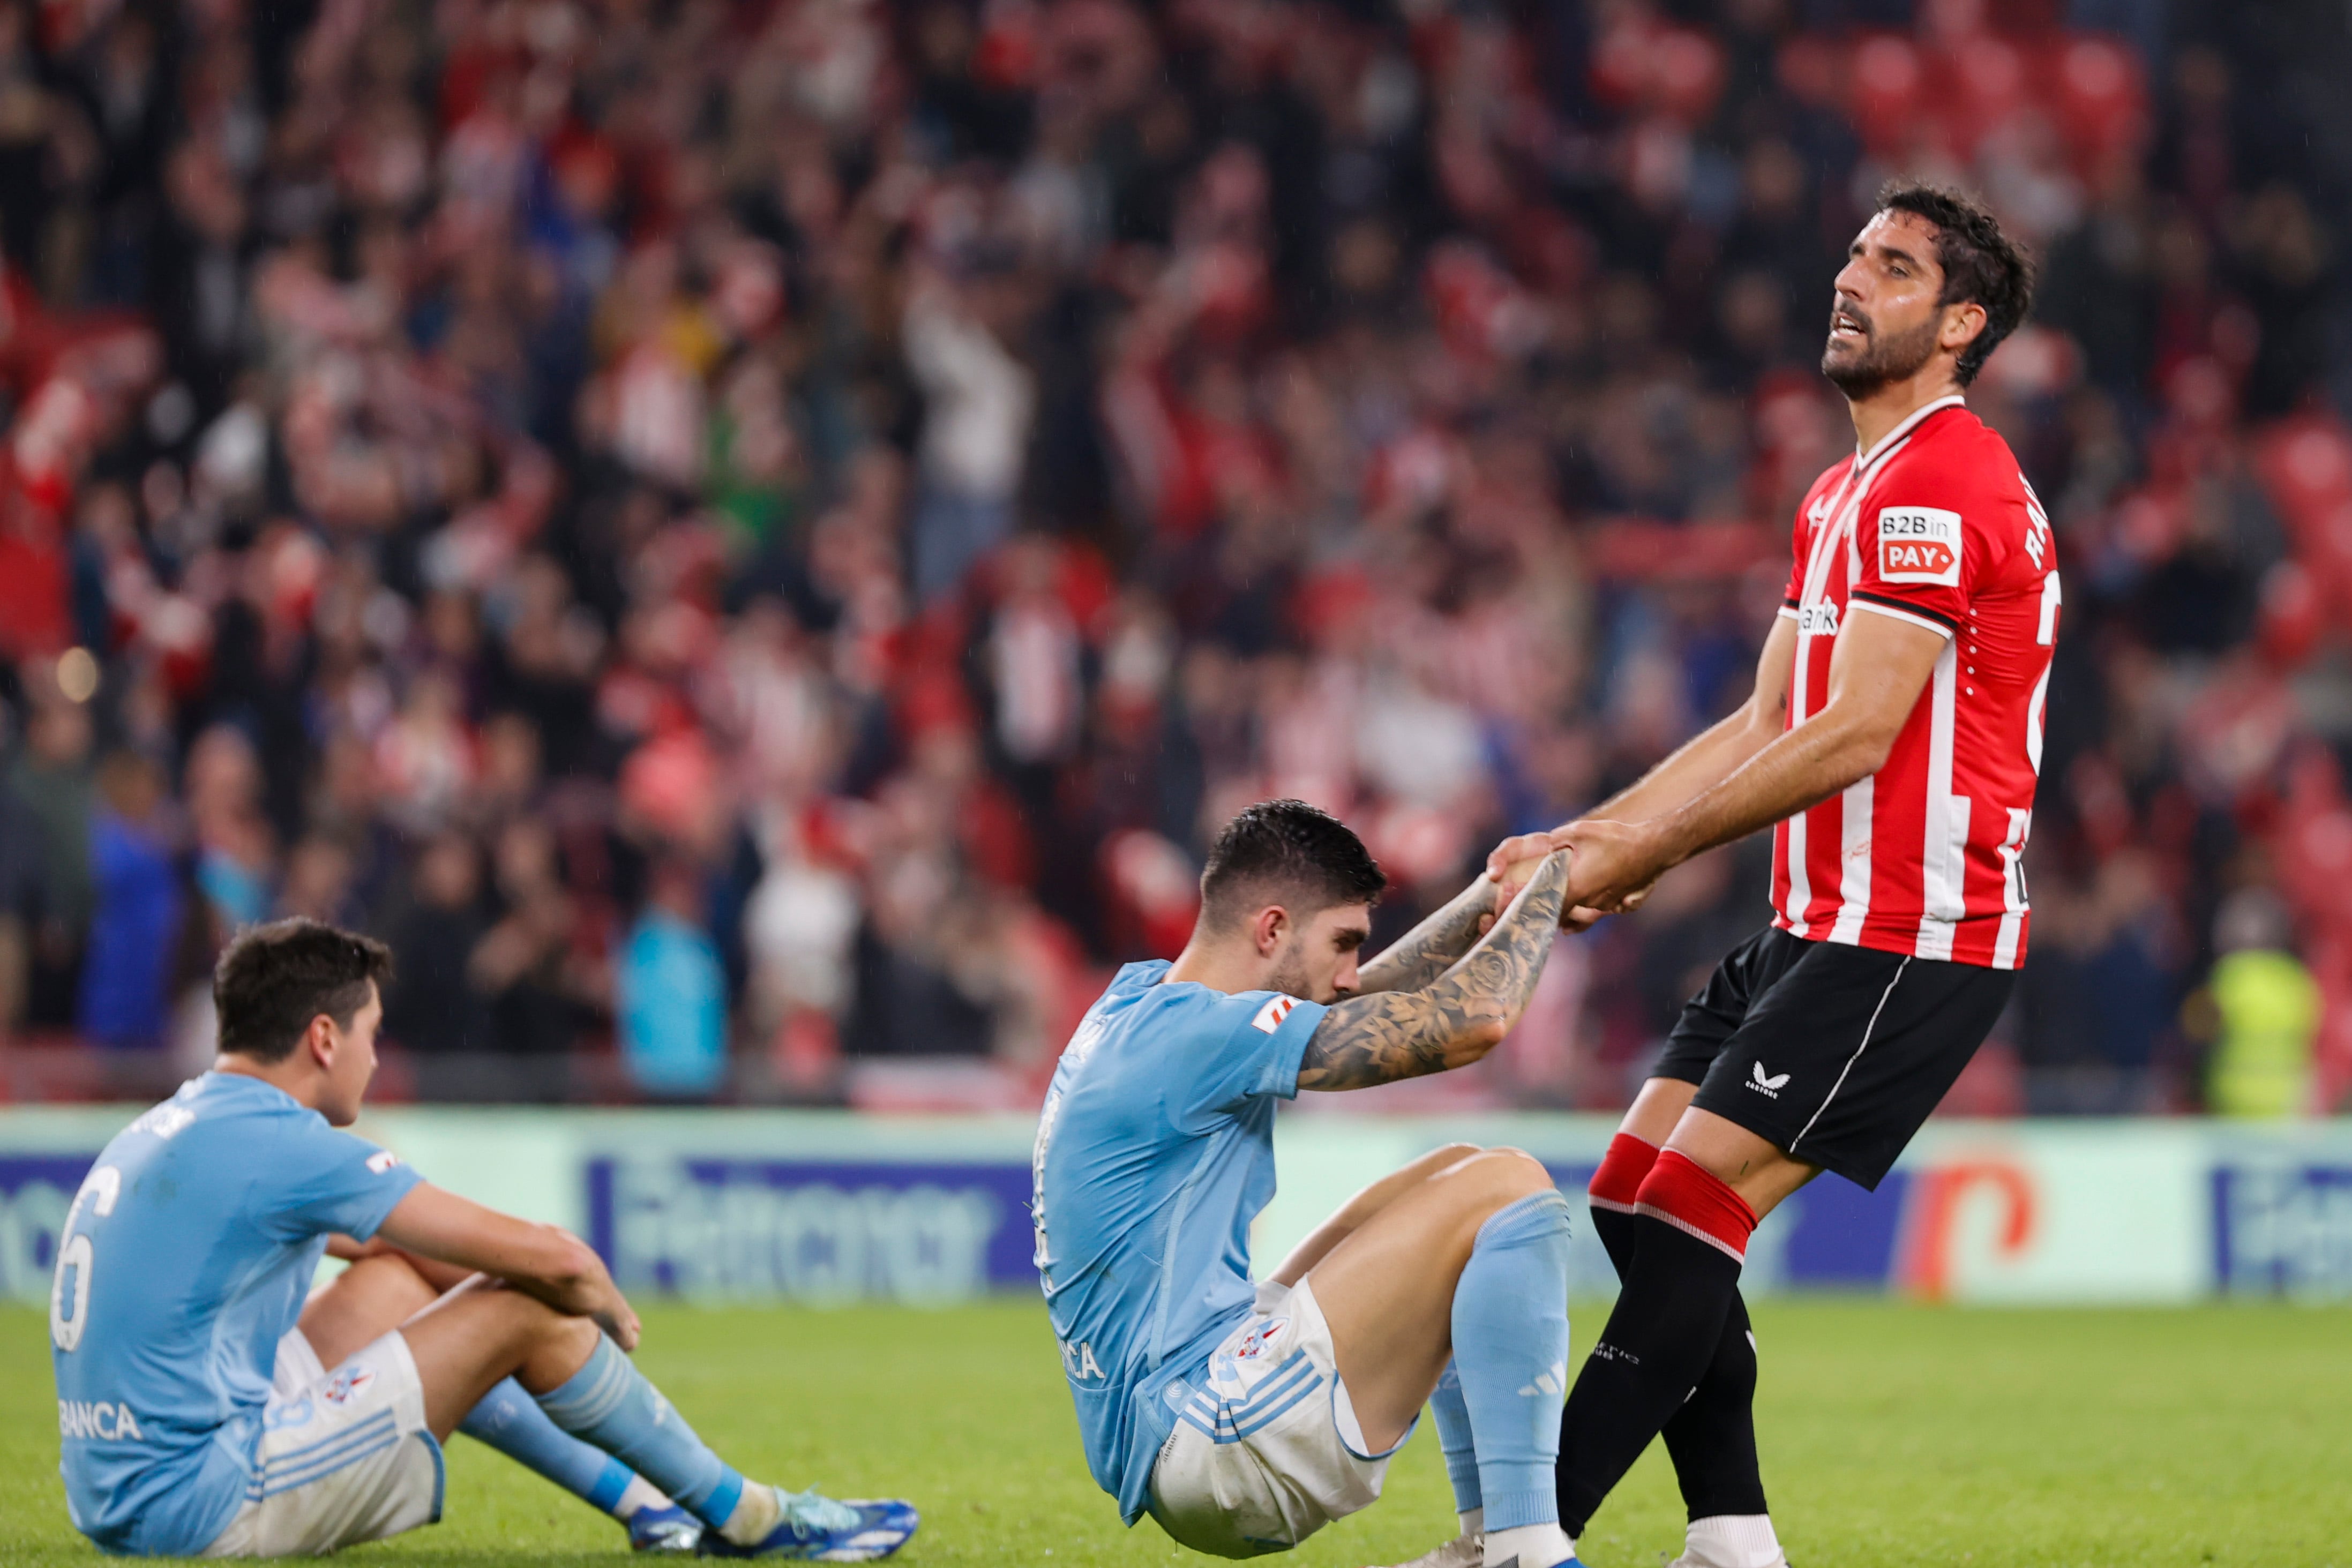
column 549, row 1348
column 1521, row 1173
column 1496, row 1177
column 569, row 1333
column 550, row 1337
column 539, row 1321
column 1436, row 1165
column 1437, row 1162
column 393, row 1274
column 513, row 1317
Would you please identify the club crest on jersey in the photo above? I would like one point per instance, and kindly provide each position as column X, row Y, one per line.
column 1254, row 1343
column 1919, row 544
column 346, row 1383
column 1269, row 1017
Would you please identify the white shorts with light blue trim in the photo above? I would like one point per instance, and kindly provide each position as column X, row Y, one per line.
column 345, row 1455
column 1268, row 1451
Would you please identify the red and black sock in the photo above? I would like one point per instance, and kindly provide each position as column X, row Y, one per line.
column 1712, row 1438
column 1686, row 1238
column 1615, row 1189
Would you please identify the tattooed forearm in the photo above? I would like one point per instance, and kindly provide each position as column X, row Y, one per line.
column 1423, row 953
column 1455, row 1020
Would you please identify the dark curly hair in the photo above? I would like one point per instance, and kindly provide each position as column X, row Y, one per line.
column 1982, row 265
column 273, row 979
column 1286, row 853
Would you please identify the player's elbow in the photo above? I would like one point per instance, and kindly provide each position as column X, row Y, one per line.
column 1868, row 753
column 1479, row 1037
column 1861, row 746
column 1762, row 719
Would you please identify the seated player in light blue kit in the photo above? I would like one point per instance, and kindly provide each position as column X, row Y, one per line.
column 1245, row 1416
column 205, row 1408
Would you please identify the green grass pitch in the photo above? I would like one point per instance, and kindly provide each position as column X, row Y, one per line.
column 1893, row 1436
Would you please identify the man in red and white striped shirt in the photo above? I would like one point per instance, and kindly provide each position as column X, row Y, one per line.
column 1893, row 737
column 1933, row 528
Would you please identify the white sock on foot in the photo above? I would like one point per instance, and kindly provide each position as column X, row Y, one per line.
column 759, row 1511
column 1733, row 1540
column 640, row 1493
column 1531, row 1545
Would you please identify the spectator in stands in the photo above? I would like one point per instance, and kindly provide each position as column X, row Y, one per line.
column 927, row 463
column 135, row 925
column 234, row 847
column 434, row 1006
column 978, row 401
column 51, row 788
column 2262, row 1010
column 539, row 985
column 672, row 993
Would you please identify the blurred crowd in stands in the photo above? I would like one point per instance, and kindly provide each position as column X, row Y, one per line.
column 754, row 540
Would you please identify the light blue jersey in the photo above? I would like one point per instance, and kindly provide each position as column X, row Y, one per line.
column 1154, row 1152
column 186, row 1258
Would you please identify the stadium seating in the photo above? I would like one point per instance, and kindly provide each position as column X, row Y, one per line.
column 753, row 540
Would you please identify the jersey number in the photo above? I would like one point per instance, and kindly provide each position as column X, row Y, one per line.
column 77, row 1256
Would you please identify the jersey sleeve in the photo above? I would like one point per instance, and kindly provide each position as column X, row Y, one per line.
column 1255, row 1040
column 1918, row 561
column 318, row 1181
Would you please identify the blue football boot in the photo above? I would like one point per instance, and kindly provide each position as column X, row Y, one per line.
column 666, row 1529
column 817, row 1528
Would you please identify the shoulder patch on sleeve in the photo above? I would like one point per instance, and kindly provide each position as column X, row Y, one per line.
column 381, row 1161
column 1919, row 544
column 1269, row 1017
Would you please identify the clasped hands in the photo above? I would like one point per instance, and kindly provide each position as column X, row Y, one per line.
column 1611, row 866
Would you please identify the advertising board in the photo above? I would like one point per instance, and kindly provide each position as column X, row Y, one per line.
column 829, row 1206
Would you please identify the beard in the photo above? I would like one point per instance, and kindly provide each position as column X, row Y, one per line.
column 1879, row 360
column 1290, row 977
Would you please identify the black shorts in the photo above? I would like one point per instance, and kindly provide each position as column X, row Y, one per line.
column 1835, row 1054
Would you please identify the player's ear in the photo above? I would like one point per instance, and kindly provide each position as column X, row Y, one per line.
column 1961, row 324
column 320, row 1039
column 1270, row 929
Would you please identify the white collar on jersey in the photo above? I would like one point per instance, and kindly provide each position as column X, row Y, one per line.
column 1887, row 443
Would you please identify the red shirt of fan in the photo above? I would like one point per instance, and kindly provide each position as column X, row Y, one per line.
column 1934, row 526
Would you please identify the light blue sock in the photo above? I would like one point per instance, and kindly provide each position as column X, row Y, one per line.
column 509, row 1420
column 608, row 1402
column 1453, row 1438
column 1510, row 1349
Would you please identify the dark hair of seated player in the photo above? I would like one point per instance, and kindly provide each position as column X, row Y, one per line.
column 1286, row 853
column 273, row 979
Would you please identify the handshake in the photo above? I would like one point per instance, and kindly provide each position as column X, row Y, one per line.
column 1611, row 867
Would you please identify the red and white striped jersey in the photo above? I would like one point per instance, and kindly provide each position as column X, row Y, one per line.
column 1935, row 526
